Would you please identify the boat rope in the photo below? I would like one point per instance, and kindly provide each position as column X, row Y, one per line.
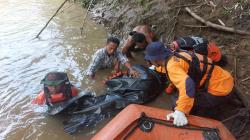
column 146, row 124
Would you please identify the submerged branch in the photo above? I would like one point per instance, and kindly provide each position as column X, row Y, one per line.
column 51, row 18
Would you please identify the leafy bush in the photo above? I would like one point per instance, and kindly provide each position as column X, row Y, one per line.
column 84, row 3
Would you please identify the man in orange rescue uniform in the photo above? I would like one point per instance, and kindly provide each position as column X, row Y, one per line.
column 198, row 45
column 200, row 83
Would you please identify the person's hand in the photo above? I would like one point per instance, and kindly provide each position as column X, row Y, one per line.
column 117, row 70
column 124, row 50
column 179, row 118
column 134, row 73
column 148, row 63
column 169, row 89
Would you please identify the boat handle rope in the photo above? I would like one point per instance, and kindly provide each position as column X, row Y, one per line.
column 146, row 124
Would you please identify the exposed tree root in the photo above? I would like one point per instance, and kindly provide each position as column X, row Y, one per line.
column 216, row 26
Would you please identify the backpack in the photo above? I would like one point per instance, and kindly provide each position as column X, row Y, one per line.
column 198, row 44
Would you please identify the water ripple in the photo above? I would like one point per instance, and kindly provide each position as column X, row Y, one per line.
column 24, row 61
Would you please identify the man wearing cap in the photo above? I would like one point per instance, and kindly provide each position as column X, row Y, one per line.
column 200, row 83
column 108, row 57
column 57, row 88
column 141, row 36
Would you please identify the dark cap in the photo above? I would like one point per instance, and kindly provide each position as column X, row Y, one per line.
column 137, row 37
column 132, row 33
column 54, row 78
column 157, row 51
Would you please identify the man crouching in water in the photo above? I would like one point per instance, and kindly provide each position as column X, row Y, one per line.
column 57, row 88
column 200, row 83
column 108, row 57
column 141, row 36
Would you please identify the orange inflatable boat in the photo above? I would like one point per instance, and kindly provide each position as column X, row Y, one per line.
column 137, row 122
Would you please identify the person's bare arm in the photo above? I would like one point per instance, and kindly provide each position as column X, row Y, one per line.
column 124, row 60
column 128, row 44
column 96, row 61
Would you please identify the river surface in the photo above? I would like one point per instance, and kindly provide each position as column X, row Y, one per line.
column 24, row 61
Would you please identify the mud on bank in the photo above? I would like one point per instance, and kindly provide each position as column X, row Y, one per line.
column 169, row 20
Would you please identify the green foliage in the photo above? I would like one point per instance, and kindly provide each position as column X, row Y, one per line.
column 147, row 7
column 141, row 2
column 84, row 3
column 145, row 4
column 225, row 13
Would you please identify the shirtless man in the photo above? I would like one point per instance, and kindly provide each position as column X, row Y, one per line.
column 141, row 36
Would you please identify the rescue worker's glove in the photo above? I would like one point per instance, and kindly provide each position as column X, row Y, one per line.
column 179, row 118
column 152, row 67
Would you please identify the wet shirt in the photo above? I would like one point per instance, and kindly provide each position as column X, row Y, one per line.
column 101, row 60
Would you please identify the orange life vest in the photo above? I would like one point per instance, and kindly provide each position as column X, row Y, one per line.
column 220, row 81
column 58, row 97
column 213, row 52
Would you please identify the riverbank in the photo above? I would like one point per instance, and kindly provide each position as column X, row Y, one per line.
column 170, row 19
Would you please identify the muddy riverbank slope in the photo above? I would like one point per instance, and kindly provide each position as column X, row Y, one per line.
column 170, row 19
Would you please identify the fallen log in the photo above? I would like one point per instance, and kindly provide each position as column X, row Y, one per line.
column 216, row 26
column 194, row 26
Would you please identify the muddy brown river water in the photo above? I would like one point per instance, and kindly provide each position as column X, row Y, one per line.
column 24, row 61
